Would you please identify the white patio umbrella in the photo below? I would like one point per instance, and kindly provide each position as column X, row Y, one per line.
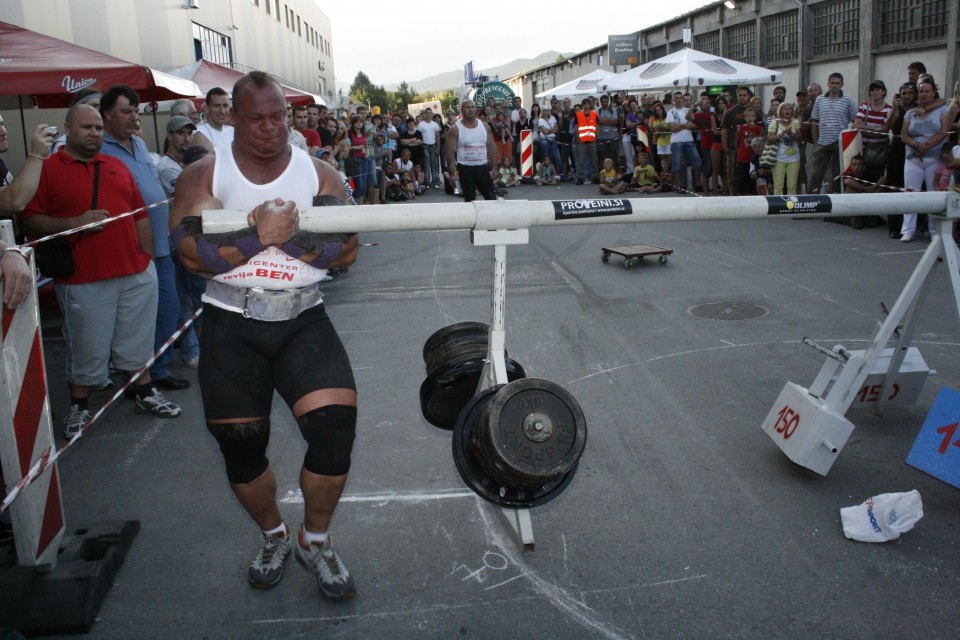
column 690, row 68
column 588, row 85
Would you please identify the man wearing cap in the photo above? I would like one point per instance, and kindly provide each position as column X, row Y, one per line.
column 832, row 113
column 189, row 286
column 179, row 134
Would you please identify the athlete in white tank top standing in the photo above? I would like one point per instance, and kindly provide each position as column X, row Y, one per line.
column 470, row 145
column 265, row 331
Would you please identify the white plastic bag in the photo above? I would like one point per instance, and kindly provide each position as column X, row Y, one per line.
column 883, row 517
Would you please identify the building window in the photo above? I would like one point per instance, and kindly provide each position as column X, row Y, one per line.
column 255, row 3
column 299, row 32
column 836, row 28
column 742, row 42
column 276, row 9
column 708, row 43
column 286, row 14
column 910, row 21
column 780, row 37
column 211, row 45
column 676, row 45
column 656, row 52
column 268, row 6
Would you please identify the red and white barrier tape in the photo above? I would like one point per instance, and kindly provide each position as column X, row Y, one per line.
column 50, row 456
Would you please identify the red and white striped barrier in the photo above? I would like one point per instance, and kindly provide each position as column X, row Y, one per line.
column 526, row 153
column 26, row 436
column 851, row 144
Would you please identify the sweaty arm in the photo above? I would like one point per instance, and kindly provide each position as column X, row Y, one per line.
column 272, row 224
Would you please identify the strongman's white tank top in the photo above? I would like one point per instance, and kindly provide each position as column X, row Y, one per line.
column 472, row 145
column 271, row 268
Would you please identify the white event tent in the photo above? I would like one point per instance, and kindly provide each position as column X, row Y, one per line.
column 689, row 68
column 588, row 85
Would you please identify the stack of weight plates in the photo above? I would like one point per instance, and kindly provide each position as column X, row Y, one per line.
column 454, row 357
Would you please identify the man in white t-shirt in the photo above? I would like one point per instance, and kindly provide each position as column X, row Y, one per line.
column 682, row 146
column 430, row 131
column 215, row 131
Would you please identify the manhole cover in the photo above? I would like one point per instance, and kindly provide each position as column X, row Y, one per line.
column 728, row 310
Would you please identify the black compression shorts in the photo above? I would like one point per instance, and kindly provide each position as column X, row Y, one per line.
column 243, row 360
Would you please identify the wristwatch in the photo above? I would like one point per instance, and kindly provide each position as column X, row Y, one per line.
column 7, row 250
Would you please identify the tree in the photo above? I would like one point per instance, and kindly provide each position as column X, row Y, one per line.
column 364, row 91
column 403, row 96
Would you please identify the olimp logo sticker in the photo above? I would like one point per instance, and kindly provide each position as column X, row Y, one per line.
column 792, row 205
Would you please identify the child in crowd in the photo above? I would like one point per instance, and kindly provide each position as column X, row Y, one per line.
column 666, row 175
column 745, row 135
column 326, row 156
column 760, row 172
column 955, row 165
column 508, row 175
column 610, row 182
column 944, row 171
column 408, row 187
column 645, row 178
column 547, row 173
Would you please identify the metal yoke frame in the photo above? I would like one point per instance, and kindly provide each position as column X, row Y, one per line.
column 838, row 387
column 495, row 367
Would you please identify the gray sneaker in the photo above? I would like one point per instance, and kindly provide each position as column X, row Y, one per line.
column 335, row 581
column 157, row 405
column 267, row 567
column 74, row 421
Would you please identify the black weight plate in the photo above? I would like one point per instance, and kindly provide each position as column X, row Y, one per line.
column 532, row 431
column 440, row 335
column 457, row 348
column 444, row 392
column 482, row 484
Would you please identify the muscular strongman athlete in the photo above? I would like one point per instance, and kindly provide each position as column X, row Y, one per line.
column 265, row 327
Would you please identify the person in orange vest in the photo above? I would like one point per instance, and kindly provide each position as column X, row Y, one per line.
column 587, row 149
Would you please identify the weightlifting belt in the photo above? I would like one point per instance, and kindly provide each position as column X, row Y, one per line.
column 264, row 304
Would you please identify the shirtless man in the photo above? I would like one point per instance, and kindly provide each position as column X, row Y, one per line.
column 268, row 273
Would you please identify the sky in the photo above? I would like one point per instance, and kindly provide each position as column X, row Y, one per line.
column 391, row 44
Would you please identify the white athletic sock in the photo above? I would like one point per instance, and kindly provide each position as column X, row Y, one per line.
column 277, row 531
column 310, row 538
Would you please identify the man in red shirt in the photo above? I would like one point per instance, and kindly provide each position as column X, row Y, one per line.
column 311, row 135
column 110, row 301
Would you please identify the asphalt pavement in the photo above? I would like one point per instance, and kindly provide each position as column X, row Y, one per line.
column 684, row 519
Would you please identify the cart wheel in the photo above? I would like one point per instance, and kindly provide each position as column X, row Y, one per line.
column 627, row 263
column 663, row 258
column 605, row 257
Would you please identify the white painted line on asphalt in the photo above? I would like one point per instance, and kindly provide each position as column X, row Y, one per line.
column 554, row 594
column 144, row 441
column 383, row 497
column 568, row 277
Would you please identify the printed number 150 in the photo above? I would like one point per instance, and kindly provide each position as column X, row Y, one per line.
column 787, row 422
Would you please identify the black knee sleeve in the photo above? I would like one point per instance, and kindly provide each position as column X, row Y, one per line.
column 329, row 433
column 244, row 448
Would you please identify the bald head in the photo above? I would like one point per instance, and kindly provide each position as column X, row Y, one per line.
column 468, row 109
column 84, row 129
column 254, row 81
